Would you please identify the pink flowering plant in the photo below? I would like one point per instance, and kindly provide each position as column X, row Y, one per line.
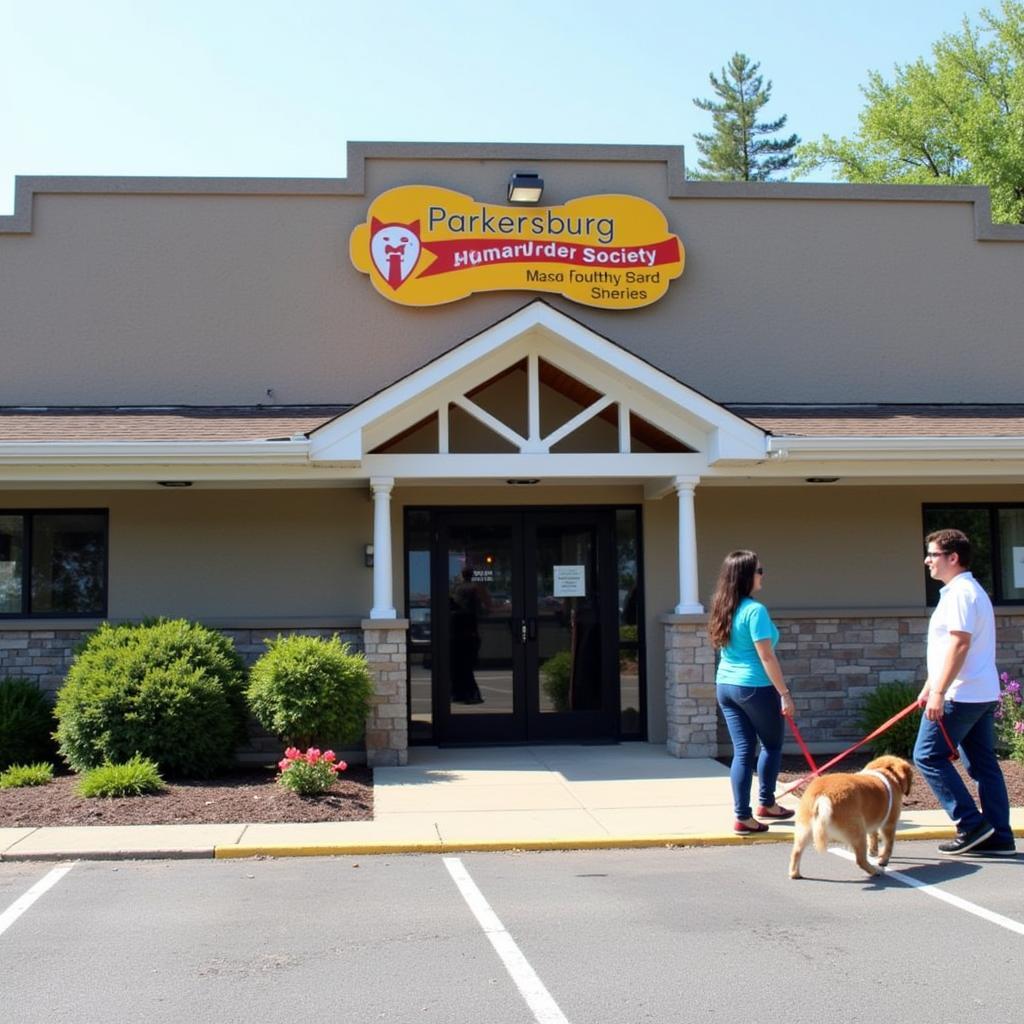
column 311, row 773
column 1010, row 717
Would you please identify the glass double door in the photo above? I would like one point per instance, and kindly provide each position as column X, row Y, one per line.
column 525, row 644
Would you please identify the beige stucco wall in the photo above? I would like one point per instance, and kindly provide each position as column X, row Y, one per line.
column 790, row 293
column 828, row 546
column 230, row 556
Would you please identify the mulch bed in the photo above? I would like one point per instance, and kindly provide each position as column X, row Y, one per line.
column 245, row 797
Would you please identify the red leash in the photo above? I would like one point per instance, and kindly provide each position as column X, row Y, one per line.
column 815, row 771
column 803, row 746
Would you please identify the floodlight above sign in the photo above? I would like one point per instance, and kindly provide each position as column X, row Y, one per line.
column 424, row 246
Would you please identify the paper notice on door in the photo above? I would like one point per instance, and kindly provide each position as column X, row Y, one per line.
column 570, row 581
column 1018, row 568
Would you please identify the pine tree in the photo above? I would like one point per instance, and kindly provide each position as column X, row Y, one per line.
column 737, row 149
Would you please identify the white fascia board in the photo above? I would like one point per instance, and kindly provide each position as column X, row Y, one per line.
column 728, row 445
column 597, row 467
column 103, row 475
column 885, row 448
column 113, row 453
column 896, row 471
column 346, row 448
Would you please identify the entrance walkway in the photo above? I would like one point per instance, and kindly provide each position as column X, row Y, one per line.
column 497, row 798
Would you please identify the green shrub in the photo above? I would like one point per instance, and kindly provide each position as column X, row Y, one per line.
column 168, row 690
column 889, row 699
column 135, row 777
column 556, row 675
column 307, row 690
column 19, row 775
column 26, row 723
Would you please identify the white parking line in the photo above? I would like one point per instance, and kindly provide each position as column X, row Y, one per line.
column 20, row 905
column 930, row 889
column 545, row 1010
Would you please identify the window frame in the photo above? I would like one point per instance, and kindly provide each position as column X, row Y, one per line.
column 993, row 508
column 28, row 529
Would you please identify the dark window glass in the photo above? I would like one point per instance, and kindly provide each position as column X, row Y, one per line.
column 66, row 556
column 11, row 564
column 997, row 546
column 627, row 542
column 1010, row 527
column 417, row 583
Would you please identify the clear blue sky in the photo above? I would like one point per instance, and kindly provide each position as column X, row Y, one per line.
column 269, row 89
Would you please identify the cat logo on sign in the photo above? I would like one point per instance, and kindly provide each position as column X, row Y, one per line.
column 423, row 246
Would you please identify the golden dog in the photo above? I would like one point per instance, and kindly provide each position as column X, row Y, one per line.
column 853, row 809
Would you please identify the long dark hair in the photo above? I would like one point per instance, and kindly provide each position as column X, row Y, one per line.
column 735, row 582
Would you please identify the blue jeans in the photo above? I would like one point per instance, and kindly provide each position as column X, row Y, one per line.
column 971, row 727
column 753, row 713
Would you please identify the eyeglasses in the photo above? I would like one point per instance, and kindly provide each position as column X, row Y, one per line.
column 759, row 570
column 935, row 554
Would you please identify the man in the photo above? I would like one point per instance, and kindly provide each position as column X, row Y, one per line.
column 961, row 692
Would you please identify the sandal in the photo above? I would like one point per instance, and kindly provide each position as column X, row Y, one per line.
column 778, row 812
column 741, row 828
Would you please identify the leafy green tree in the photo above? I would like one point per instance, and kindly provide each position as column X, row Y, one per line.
column 737, row 149
column 958, row 119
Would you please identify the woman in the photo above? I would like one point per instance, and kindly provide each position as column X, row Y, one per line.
column 752, row 692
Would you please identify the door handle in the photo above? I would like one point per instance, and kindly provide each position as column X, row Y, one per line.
column 522, row 630
column 531, row 628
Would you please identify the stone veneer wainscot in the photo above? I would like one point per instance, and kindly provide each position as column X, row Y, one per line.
column 831, row 662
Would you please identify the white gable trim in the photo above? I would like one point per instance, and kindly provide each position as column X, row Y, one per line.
column 659, row 398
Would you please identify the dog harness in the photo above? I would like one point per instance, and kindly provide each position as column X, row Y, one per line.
column 888, row 787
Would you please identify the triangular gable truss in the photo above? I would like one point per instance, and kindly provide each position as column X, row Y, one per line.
column 681, row 431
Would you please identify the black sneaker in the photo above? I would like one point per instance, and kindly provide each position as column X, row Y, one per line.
column 996, row 847
column 965, row 841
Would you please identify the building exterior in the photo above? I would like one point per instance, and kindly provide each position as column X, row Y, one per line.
column 502, row 448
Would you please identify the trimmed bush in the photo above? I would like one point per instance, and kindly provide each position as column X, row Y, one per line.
column 26, row 723
column 168, row 690
column 889, row 699
column 19, row 775
column 556, row 674
column 136, row 777
column 307, row 690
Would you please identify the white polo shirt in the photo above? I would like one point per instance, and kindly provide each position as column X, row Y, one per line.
column 965, row 607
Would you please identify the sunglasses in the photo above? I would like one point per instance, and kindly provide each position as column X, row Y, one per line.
column 935, row 554
column 759, row 570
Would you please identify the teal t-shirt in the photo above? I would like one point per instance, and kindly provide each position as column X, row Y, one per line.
column 739, row 663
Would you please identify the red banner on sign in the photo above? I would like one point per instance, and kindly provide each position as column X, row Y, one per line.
column 466, row 254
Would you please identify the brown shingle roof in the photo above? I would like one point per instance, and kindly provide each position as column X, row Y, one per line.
column 886, row 420
column 162, row 423
column 264, row 423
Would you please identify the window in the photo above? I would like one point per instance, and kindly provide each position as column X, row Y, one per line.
column 53, row 563
column 997, row 543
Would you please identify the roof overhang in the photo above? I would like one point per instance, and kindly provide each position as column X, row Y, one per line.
column 715, row 433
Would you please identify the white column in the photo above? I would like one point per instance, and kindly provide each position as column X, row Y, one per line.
column 383, row 602
column 689, row 602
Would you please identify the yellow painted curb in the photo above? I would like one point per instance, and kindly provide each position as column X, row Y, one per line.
column 506, row 845
column 492, row 845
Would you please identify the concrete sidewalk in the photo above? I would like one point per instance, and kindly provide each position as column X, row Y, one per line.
column 524, row 798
